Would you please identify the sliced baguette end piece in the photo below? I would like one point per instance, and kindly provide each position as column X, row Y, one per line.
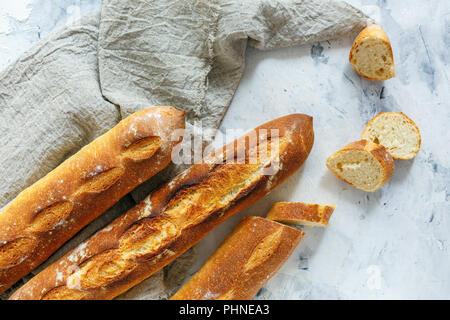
column 362, row 164
column 396, row 132
column 304, row 214
column 371, row 54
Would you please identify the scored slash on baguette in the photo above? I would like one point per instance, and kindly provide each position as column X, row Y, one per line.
column 244, row 262
column 362, row 164
column 396, row 132
column 371, row 54
column 304, row 214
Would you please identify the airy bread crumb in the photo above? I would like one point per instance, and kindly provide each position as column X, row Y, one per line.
column 371, row 54
column 396, row 132
column 362, row 164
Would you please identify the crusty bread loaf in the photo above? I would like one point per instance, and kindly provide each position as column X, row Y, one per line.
column 48, row 213
column 362, row 164
column 304, row 214
column 244, row 262
column 371, row 54
column 396, row 132
column 176, row 216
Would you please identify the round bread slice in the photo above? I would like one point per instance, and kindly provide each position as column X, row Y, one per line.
column 396, row 132
column 371, row 54
column 362, row 164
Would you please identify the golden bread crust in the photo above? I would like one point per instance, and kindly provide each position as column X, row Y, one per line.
column 51, row 211
column 244, row 262
column 173, row 218
column 372, row 31
column 378, row 151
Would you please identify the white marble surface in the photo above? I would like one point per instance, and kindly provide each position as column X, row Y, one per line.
column 394, row 243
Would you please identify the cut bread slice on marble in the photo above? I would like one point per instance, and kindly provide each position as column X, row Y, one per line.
column 396, row 132
column 362, row 164
column 371, row 54
column 303, row 214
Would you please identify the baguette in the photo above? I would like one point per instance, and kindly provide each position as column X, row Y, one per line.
column 362, row 164
column 48, row 213
column 176, row 216
column 396, row 132
column 244, row 262
column 371, row 54
column 304, row 214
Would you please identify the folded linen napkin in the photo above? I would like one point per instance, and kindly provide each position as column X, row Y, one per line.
column 82, row 79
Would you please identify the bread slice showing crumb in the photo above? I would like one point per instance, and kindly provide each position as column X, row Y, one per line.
column 304, row 214
column 396, row 132
column 371, row 54
column 362, row 164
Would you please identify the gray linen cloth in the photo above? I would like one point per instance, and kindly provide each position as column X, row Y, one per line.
column 82, row 79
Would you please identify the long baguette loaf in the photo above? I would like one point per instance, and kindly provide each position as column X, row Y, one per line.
column 244, row 262
column 176, row 216
column 48, row 213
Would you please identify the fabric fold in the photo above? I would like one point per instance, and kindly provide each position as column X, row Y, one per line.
column 82, row 79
